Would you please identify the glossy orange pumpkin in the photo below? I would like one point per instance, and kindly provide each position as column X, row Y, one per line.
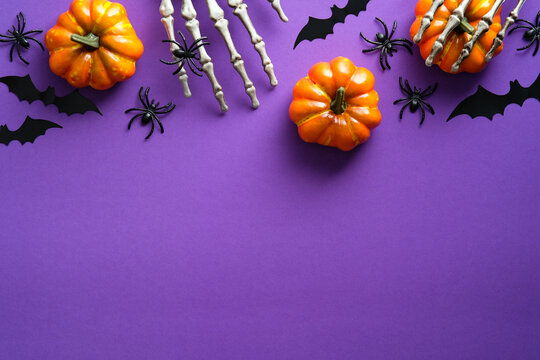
column 335, row 105
column 459, row 36
column 93, row 43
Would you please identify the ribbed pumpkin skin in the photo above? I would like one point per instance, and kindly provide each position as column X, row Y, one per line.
column 456, row 40
column 312, row 96
column 119, row 46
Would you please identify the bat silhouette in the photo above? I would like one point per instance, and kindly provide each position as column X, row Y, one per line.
column 320, row 28
column 29, row 131
column 487, row 104
column 24, row 88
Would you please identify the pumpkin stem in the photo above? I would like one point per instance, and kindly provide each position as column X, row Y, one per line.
column 465, row 26
column 339, row 105
column 91, row 41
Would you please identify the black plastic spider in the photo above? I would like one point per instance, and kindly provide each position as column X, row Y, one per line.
column 185, row 54
column 532, row 34
column 386, row 45
column 150, row 112
column 19, row 38
column 415, row 99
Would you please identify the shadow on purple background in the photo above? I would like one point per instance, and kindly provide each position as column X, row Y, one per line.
column 229, row 238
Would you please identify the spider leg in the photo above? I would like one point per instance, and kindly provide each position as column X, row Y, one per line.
column 7, row 36
column 134, row 109
column 408, row 86
column 386, row 52
column 170, row 62
column 376, row 48
column 190, row 63
column 146, row 97
column 403, row 88
column 19, row 27
column 537, row 19
column 33, row 32
column 518, row 27
column 403, row 109
column 11, row 52
column 183, row 61
column 400, row 100
column 528, row 45
column 172, row 41
column 165, row 109
column 198, row 43
column 429, row 90
column 20, row 56
column 406, row 46
column 132, row 119
column 159, row 123
column 385, row 27
column 151, row 131
column 141, row 97
column 423, row 115
column 537, row 46
column 184, row 40
column 41, row 45
column 430, row 108
column 369, row 41
column 523, row 21
column 381, row 58
column 2, row 40
column 393, row 30
column 198, row 46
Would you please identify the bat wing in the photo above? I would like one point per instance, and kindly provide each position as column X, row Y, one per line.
column 29, row 131
column 75, row 103
column 23, row 87
column 487, row 104
column 320, row 28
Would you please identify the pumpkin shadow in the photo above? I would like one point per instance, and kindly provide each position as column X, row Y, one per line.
column 311, row 157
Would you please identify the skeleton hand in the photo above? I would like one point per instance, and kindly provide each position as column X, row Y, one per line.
column 222, row 25
column 458, row 18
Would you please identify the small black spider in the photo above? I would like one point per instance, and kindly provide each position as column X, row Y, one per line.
column 150, row 111
column 415, row 99
column 386, row 45
column 20, row 38
column 185, row 54
column 532, row 34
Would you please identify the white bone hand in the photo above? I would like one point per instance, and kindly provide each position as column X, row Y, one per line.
column 221, row 24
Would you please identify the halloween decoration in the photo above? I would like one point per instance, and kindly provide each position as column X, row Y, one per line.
column 335, row 105
column 321, row 28
column 532, row 35
column 415, row 99
column 185, row 54
column 466, row 35
column 20, row 38
column 150, row 112
column 93, row 44
column 487, row 104
column 386, row 45
column 24, row 88
column 222, row 25
column 29, row 131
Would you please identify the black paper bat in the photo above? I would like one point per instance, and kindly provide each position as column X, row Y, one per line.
column 487, row 104
column 320, row 28
column 29, row 131
column 24, row 88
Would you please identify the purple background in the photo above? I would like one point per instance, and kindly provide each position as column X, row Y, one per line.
column 229, row 238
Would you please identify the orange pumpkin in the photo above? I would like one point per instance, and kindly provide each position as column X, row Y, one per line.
column 335, row 105
column 459, row 36
column 93, row 43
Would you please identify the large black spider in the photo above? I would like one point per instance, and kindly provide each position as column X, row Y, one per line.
column 186, row 54
column 532, row 34
column 415, row 99
column 150, row 112
column 386, row 45
column 20, row 38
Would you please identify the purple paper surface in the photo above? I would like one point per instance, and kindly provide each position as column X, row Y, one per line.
column 227, row 237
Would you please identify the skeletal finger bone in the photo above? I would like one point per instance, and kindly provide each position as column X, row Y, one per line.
column 192, row 24
column 167, row 10
column 453, row 21
column 510, row 20
column 427, row 19
column 240, row 10
column 277, row 6
column 481, row 29
column 222, row 25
